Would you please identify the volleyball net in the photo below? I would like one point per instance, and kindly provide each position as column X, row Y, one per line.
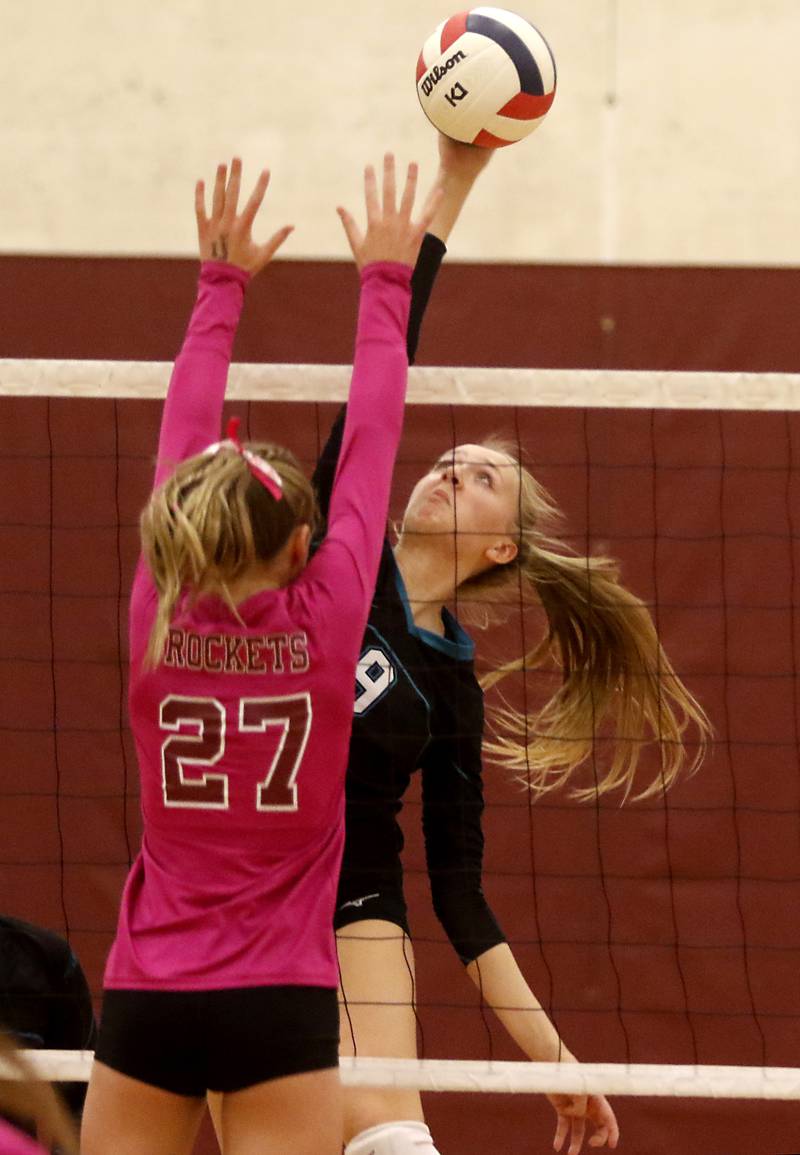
column 659, row 935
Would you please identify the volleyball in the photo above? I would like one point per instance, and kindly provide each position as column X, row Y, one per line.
column 486, row 77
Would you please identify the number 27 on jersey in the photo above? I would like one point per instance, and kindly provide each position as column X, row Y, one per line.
column 197, row 742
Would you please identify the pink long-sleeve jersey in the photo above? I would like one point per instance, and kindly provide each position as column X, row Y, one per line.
column 242, row 731
column 14, row 1142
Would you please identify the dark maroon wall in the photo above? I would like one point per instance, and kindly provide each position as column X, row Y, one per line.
column 549, row 316
column 660, row 932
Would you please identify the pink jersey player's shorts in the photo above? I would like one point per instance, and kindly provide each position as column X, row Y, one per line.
column 190, row 1042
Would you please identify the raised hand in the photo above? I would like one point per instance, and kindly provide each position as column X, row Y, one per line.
column 226, row 235
column 391, row 235
column 459, row 161
column 460, row 165
column 574, row 1112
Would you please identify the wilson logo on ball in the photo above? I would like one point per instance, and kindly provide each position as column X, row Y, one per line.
column 501, row 77
column 438, row 71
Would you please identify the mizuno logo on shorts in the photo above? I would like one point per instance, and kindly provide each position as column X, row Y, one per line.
column 359, row 901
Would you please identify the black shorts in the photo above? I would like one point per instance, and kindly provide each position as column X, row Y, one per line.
column 190, row 1042
column 373, row 892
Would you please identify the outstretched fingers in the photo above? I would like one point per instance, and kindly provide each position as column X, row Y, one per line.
column 390, row 233
column 255, row 199
column 218, row 199
column 389, row 184
column 200, row 205
column 355, row 237
column 409, row 190
column 371, row 195
column 227, row 234
column 232, row 193
column 267, row 251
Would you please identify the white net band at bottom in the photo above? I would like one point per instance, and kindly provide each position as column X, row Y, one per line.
column 638, row 1079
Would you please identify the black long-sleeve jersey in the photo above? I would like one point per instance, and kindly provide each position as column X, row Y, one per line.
column 418, row 706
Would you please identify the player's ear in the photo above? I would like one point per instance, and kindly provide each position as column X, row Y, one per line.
column 300, row 542
column 502, row 552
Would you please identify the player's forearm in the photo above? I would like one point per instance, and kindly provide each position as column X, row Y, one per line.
column 374, row 416
column 380, row 366
column 503, row 988
column 457, row 187
column 192, row 410
column 428, row 262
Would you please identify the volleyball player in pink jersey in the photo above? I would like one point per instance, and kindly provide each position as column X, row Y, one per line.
column 223, row 973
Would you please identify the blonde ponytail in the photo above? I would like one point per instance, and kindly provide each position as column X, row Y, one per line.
column 210, row 521
column 615, row 675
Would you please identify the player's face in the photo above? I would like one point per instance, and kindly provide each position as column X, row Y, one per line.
column 472, row 491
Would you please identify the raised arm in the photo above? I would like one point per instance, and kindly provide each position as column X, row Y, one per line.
column 428, row 263
column 384, row 254
column 192, row 410
column 459, row 168
column 460, row 165
column 230, row 257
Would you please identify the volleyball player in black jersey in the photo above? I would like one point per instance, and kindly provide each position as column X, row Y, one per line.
column 419, row 706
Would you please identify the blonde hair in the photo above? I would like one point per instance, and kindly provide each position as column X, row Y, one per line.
column 614, row 671
column 211, row 520
column 29, row 1100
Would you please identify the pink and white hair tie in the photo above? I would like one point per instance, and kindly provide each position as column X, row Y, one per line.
column 259, row 468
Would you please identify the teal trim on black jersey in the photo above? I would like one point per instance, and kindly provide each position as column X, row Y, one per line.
column 460, row 646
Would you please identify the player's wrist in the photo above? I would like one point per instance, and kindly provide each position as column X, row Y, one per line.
column 455, row 179
column 551, row 1052
column 542, row 1043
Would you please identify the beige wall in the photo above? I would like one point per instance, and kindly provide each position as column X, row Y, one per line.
column 674, row 137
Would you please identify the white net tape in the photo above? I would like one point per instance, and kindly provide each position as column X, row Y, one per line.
column 547, row 1078
column 457, row 386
